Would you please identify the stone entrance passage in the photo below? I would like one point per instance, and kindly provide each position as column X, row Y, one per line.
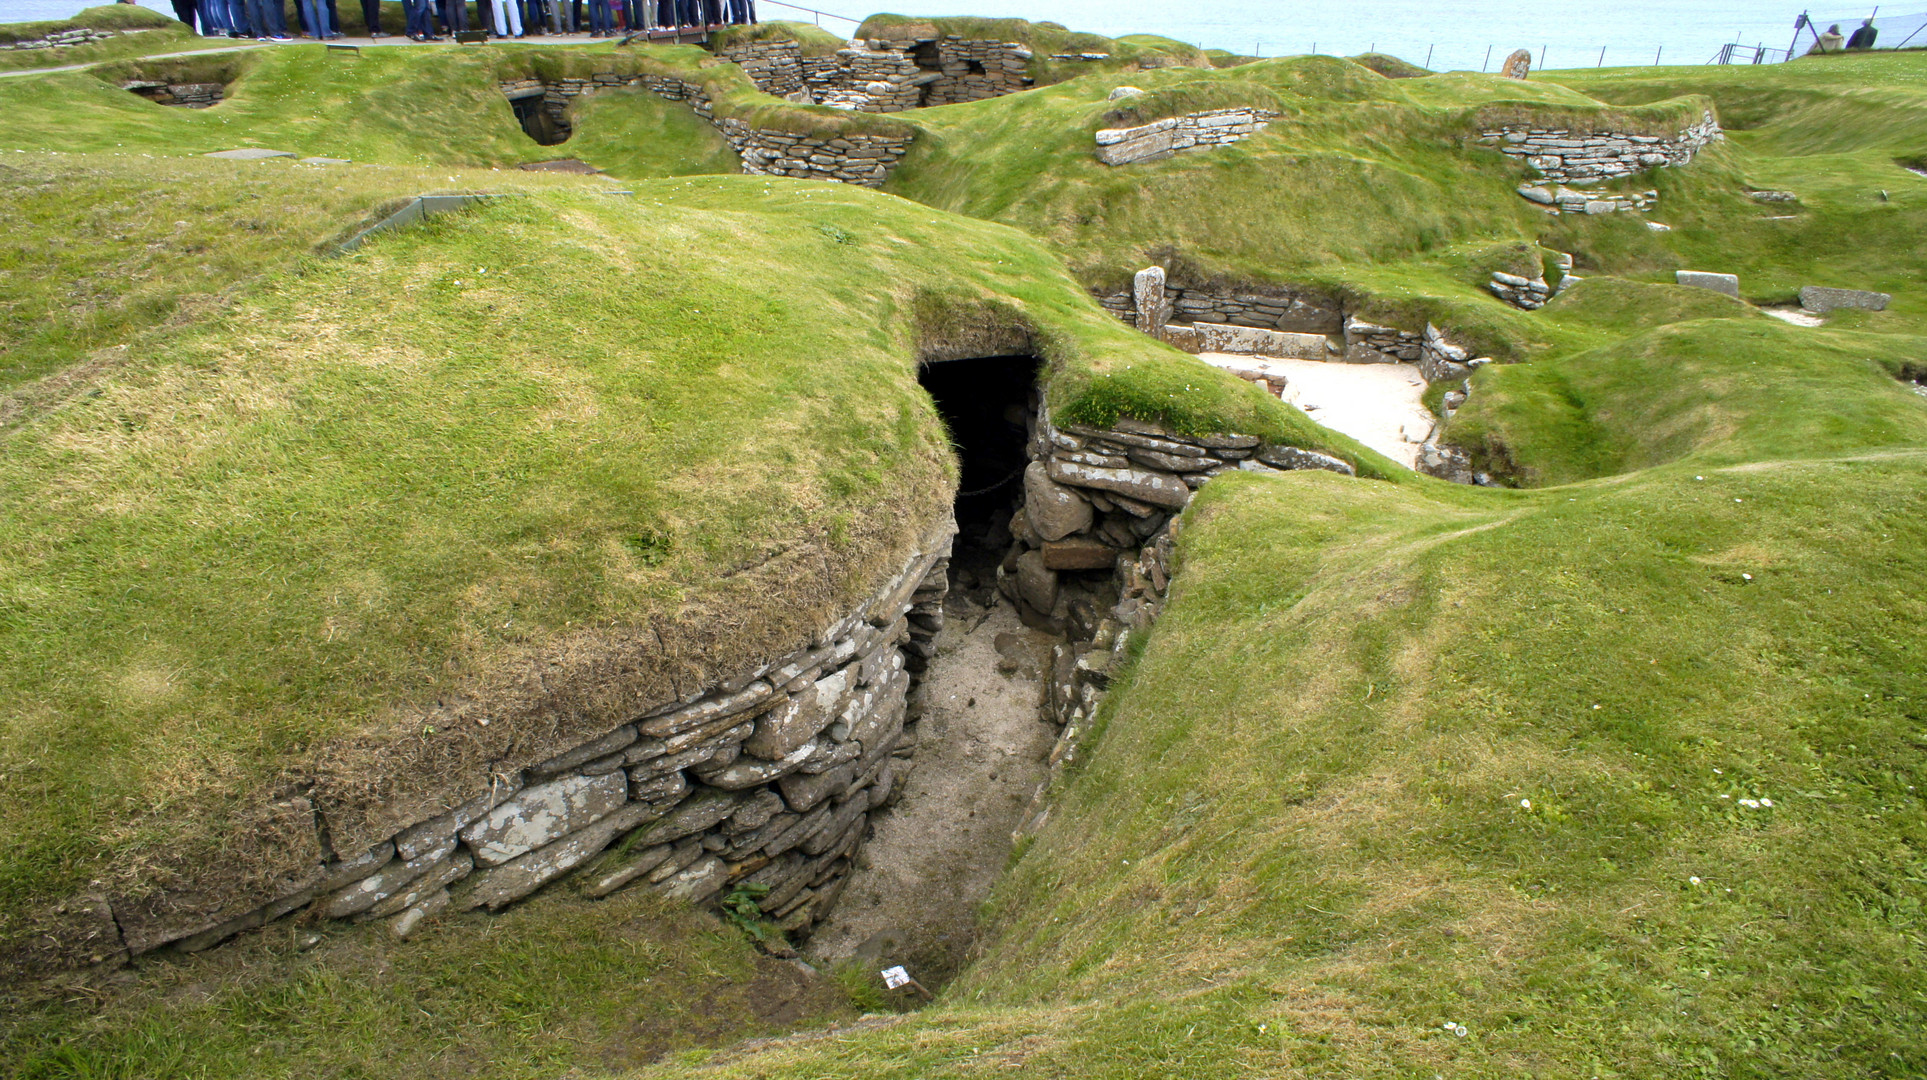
column 983, row 739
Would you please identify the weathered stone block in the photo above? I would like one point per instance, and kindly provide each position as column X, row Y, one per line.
column 1079, row 553
column 540, row 814
column 698, row 812
column 1157, row 489
column 1053, row 510
column 1820, row 299
column 1720, row 283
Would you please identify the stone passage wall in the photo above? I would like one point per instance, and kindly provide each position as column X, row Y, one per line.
column 1300, row 311
column 774, row 66
column 1094, row 499
column 767, row 778
column 1564, row 200
column 186, row 95
column 1583, row 158
column 865, row 160
column 974, row 70
column 1174, row 135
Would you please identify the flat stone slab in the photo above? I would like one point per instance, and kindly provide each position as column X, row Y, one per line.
column 252, row 153
column 1719, row 283
column 1246, row 341
column 321, row 160
column 1819, row 299
column 537, row 815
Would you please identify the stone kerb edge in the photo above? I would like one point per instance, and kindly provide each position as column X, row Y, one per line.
column 702, row 809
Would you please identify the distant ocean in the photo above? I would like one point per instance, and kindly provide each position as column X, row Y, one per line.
column 1456, row 34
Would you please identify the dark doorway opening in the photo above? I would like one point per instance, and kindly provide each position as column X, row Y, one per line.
column 541, row 125
column 986, row 403
column 926, row 56
column 974, row 67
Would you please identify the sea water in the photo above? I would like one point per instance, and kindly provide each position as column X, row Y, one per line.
column 1468, row 35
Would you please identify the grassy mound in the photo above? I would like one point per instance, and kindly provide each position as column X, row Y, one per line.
column 152, row 32
column 1263, row 208
column 551, row 431
column 554, row 985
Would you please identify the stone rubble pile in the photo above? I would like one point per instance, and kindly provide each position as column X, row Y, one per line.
column 1564, row 200
column 766, row 779
column 185, row 95
column 1177, row 134
column 67, row 39
column 1522, row 292
column 857, row 158
column 1578, row 157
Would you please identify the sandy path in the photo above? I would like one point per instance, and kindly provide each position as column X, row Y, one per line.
column 1380, row 405
column 933, row 858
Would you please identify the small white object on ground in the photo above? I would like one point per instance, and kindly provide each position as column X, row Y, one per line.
column 895, row 977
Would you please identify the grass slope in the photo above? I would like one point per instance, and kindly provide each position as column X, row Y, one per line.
column 560, row 428
column 152, row 32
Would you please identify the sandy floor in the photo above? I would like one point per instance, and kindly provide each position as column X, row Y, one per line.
column 1380, row 405
column 934, row 857
column 1794, row 315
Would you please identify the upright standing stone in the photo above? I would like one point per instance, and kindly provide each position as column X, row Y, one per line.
column 1700, row 279
column 1147, row 288
column 1518, row 65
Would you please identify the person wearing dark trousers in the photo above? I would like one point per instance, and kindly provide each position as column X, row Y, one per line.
column 600, row 20
column 371, row 14
column 533, row 17
column 334, row 20
column 315, row 14
column 455, row 15
column 184, row 10
column 632, row 19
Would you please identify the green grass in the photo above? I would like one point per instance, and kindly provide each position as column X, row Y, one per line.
column 467, row 420
column 556, row 984
column 157, row 33
column 1396, row 755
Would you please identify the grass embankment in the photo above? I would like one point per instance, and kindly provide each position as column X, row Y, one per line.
column 318, row 532
column 1418, row 203
column 558, row 984
column 154, row 32
column 1045, row 40
column 417, row 106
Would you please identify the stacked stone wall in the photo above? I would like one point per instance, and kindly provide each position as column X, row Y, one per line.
column 184, row 95
column 975, row 69
column 1570, row 157
column 1178, row 134
column 862, row 159
column 766, row 778
column 67, row 39
column 1269, row 308
column 774, row 66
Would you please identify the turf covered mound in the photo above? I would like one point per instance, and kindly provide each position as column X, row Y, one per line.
column 630, row 443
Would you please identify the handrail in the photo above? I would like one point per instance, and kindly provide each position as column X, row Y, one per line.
column 819, row 14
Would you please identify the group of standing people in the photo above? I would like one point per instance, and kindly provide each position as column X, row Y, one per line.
column 429, row 20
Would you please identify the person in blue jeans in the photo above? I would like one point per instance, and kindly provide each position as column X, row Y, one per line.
column 315, row 14
column 421, row 24
column 455, row 15
column 265, row 20
column 601, row 20
column 214, row 18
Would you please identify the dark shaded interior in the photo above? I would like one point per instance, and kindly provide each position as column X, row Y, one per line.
column 986, row 404
column 537, row 121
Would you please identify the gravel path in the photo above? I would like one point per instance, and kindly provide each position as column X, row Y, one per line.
column 934, row 857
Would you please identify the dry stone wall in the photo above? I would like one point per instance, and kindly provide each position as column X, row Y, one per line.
column 185, row 95
column 862, row 159
column 1570, row 157
column 974, row 69
column 1300, row 311
column 67, row 39
column 775, row 66
column 766, row 778
column 1178, row 134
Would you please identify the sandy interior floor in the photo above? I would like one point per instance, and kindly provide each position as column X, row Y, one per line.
column 1380, row 405
column 980, row 754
